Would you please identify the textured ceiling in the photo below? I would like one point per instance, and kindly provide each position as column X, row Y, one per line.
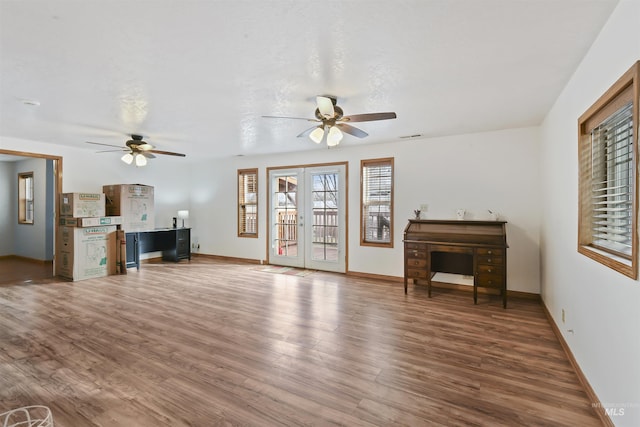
column 196, row 76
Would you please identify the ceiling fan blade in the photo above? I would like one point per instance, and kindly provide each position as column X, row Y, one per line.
column 294, row 118
column 106, row 145
column 147, row 154
column 168, row 153
column 325, row 106
column 352, row 130
column 112, row 151
column 308, row 131
column 369, row 117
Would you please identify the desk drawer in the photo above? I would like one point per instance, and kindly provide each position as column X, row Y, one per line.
column 490, row 251
column 415, row 253
column 490, row 259
column 416, row 262
column 451, row 249
column 489, row 269
column 416, row 274
column 490, row 280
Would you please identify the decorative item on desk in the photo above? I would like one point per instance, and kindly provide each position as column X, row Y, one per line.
column 183, row 215
column 460, row 214
column 493, row 216
column 175, row 222
column 417, row 213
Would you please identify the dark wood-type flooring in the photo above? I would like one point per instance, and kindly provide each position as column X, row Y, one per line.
column 211, row 343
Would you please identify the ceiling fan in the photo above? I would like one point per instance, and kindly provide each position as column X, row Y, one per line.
column 333, row 122
column 137, row 150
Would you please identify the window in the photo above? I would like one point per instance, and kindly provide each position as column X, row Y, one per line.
column 376, row 203
column 608, row 177
column 25, row 198
column 248, row 203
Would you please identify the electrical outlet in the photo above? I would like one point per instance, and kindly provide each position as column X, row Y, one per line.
column 563, row 315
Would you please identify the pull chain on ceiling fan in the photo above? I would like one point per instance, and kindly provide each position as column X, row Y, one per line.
column 333, row 122
column 137, row 151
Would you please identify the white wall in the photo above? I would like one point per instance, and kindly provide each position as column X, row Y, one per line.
column 493, row 170
column 7, row 218
column 602, row 314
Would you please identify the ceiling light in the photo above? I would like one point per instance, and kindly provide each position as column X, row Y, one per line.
column 317, row 135
column 127, row 158
column 31, row 102
column 140, row 160
column 334, row 136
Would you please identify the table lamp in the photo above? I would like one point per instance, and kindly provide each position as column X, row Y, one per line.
column 183, row 215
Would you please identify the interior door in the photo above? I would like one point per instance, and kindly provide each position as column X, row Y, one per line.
column 308, row 217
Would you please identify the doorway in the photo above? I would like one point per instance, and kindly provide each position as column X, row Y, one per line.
column 42, row 233
column 308, row 217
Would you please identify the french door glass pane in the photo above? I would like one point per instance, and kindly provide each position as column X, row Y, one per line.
column 325, row 217
column 286, row 212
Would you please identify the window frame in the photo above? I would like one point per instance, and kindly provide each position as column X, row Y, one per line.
column 624, row 91
column 242, row 202
column 385, row 161
column 25, row 197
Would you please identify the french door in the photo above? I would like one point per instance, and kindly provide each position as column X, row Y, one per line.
column 307, row 217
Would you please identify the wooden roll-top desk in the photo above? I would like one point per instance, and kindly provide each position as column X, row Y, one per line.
column 472, row 248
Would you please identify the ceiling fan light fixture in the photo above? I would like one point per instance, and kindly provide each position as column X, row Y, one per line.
column 317, row 135
column 127, row 158
column 141, row 160
column 334, row 136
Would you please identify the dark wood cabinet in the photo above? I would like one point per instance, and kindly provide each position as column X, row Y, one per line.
column 174, row 243
column 472, row 248
column 181, row 248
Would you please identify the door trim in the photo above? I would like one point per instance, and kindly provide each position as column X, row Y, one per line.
column 346, row 203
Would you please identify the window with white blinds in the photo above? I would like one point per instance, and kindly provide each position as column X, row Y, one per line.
column 376, row 204
column 248, row 203
column 613, row 183
column 608, row 137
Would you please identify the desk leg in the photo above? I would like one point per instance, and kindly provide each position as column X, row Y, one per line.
column 504, row 297
column 137, row 244
column 475, row 292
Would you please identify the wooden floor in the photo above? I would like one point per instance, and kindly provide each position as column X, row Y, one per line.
column 15, row 270
column 209, row 343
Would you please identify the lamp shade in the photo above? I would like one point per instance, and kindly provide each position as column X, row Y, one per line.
column 127, row 158
column 334, row 137
column 317, row 135
column 141, row 160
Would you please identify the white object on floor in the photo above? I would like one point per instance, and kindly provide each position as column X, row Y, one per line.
column 27, row 416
